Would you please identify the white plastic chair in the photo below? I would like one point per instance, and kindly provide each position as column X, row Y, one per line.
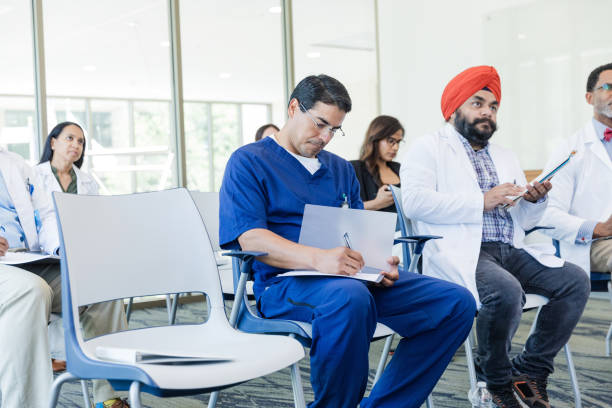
column 115, row 247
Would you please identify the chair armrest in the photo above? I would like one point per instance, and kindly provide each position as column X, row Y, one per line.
column 538, row 227
column 419, row 240
column 243, row 255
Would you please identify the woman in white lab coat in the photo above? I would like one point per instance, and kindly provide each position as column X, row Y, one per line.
column 59, row 170
column 60, row 164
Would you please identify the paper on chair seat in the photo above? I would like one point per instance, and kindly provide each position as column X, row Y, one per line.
column 134, row 356
column 16, row 258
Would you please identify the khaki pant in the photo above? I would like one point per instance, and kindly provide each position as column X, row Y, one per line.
column 601, row 256
column 27, row 297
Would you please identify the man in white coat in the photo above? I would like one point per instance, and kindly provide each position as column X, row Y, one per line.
column 30, row 292
column 580, row 206
column 455, row 184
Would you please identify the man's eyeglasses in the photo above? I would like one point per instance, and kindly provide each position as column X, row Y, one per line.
column 605, row 87
column 333, row 131
column 392, row 142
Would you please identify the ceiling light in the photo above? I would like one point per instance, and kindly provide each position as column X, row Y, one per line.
column 521, row 36
column 89, row 68
column 275, row 10
column 314, row 54
column 225, row 75
column 164, row 44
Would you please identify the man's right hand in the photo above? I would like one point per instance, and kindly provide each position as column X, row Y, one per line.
column 603, row 229
column 498, row 195
column 4, row 246
column 339, row 261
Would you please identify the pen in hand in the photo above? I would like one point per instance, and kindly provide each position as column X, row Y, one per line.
column 347, row 241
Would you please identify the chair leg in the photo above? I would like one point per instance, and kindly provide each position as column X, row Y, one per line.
column 128, row 310
column 573, row 377
column 169, row 308
column 608, row 339
column 296, row 383
column 212, row 400
column 469, row 357
column 135, row 395
column 429, row 402
column 85, row 390
column 383, row 358
column 174, row 308
column 57, row 386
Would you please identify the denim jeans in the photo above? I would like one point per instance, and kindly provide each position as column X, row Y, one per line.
column 503, row 275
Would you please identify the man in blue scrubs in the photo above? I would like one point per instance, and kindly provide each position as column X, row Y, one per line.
column 265, row 187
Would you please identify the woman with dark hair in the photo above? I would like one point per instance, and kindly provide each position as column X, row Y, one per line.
column 61, row 161
column 266, row 130
column 375, row 168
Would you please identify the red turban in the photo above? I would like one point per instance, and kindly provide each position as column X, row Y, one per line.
column 466, row 84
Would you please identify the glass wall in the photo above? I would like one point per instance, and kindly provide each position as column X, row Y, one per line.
column 17, row 108
column 232, row 55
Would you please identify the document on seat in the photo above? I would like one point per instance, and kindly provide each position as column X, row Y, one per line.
column 134, row 356
column 370, row 233
column 17, row 258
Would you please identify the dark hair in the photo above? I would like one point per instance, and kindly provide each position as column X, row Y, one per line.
column 259, row 134
column 594, row 76
column 321, row 88
column 380, row 128
column 47, row 154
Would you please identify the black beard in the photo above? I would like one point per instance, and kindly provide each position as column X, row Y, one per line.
column 471, row 133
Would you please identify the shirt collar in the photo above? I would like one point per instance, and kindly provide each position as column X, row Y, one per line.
column 600, row 128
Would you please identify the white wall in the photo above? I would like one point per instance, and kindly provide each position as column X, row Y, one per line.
column 543, row 50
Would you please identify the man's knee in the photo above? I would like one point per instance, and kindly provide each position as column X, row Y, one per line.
column 465, row 304
column 577, row 280
column 508, row 297
column 24, row 286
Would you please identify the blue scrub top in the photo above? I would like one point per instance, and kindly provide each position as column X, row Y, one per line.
column 265, row 187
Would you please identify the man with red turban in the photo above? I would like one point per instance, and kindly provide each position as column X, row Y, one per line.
column 458, row 185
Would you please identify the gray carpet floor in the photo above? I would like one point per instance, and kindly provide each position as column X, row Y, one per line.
column 587, row 343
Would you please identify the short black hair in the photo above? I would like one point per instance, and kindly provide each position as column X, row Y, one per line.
column 47, row 154
column 321, row 88
column 594, row 76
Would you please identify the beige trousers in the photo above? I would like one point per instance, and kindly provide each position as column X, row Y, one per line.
column 27, row 297
column 601, row 256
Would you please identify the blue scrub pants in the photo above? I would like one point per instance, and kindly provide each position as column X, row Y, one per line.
column 432, row 316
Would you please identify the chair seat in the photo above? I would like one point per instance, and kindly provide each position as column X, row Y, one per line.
column 380, row 332
column 532, row 301
column 253, row 355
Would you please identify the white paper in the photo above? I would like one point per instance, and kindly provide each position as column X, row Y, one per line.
column 370, row 277
column 135, row 356
column 16, row 258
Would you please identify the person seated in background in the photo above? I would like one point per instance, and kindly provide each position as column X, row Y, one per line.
column 60, row 164
column 580, row 206
column 30, row 292
column 266, row 130
column 59, row 170
column 455, row 184
column 375, row 168
column 265, row 188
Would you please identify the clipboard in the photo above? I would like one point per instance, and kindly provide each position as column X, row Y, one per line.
column 547, row 177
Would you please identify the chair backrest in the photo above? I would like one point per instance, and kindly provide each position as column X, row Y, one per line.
column 404, row 223
column 208, row 205
column 116, row 247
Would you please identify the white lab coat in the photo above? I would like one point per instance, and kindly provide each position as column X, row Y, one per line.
column 18, row 176
column 441, row 195
column 85, row 183
column 582, row 191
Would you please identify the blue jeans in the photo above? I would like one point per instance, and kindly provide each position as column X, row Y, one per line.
column 432, row 316
column 503, row 275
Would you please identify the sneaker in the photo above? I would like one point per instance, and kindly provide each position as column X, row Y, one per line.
column 113, row 403
column 531, row 390
column 503, row 396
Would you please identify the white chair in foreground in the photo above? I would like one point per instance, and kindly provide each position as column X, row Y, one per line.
column 151, row 244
